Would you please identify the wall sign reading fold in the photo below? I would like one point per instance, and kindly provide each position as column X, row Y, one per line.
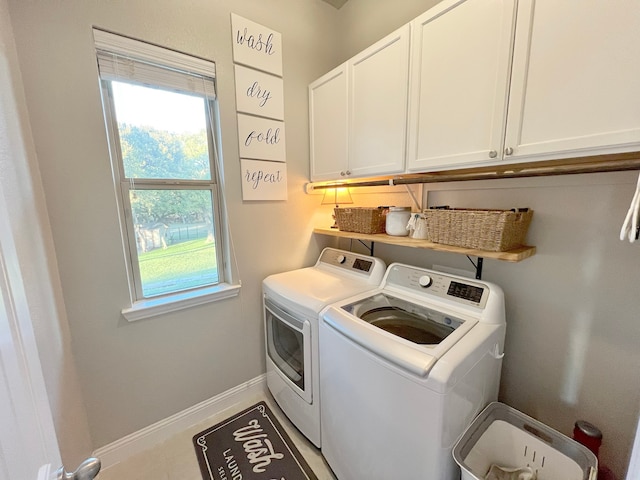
column 261, row 138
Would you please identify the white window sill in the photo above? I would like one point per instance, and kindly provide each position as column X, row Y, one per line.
column 171, row 303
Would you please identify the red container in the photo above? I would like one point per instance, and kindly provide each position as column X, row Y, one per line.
column 591, row 437
column 588, row 435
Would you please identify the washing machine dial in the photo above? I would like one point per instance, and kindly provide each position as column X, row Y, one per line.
column 425, row 281
column 341, row 259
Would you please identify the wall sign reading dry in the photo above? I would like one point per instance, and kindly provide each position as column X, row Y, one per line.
column 257, row 53
column 259, row 93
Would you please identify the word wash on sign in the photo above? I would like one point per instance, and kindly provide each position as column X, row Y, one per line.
column 256, row 43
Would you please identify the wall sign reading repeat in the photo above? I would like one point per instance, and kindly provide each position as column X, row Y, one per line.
column 257, row 53
column 263, row 180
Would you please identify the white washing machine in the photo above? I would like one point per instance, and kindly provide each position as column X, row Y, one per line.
column 292, row 304
column 404, row 369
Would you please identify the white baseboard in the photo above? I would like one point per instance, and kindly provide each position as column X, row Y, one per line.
column 160, row 431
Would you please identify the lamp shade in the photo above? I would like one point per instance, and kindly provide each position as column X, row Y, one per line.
column 336, row 196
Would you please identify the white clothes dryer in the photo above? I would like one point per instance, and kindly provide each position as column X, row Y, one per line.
column 404, row 369
column 292, row 304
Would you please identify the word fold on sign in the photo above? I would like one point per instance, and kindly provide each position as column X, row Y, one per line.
column 261, row 138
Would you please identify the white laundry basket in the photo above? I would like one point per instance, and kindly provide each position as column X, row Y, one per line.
column 504, row 436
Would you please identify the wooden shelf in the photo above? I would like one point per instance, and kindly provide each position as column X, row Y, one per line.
column 515, row 255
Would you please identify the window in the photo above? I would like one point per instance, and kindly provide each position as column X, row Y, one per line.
column 159, row 109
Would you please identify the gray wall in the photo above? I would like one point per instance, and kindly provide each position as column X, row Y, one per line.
column 573, row 330
column 134, row 374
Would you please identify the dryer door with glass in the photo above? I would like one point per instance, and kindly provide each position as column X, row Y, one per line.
column 289, row 347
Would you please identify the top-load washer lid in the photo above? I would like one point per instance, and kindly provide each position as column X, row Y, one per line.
column 415, row 323
column 417, row 316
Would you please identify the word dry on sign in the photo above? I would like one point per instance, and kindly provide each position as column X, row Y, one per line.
column 258, row 93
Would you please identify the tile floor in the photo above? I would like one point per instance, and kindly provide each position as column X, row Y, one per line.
column 175, row 459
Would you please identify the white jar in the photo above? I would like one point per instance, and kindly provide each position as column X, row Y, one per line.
column 397, row 219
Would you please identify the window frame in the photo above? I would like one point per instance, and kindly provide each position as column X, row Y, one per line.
column 144, row 307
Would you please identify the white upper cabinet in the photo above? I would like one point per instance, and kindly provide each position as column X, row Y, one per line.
column 461, row 58
column 379, row 86
column 491, row 82
column 328, row 120
column 575, row 87
column 358, row 113
column 563, row 81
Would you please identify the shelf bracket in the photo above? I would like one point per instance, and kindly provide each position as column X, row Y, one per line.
column 368, row 247
column 478, row 266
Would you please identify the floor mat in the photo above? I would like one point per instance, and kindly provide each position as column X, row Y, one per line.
column 250, row 445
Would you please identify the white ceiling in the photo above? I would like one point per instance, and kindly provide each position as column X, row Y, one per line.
column 336, row 3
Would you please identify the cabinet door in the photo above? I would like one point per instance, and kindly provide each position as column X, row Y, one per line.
column 379, row 78
column 461, row 55
column 328, row 106
column 576, row 79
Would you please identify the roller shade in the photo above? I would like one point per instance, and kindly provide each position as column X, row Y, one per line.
column 124, row 59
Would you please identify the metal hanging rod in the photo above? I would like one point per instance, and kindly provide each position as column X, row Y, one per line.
column 594, row 164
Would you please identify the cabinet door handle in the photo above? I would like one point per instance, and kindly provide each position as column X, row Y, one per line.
column 508, row 151
column 342, row 173
column 348, row 172
column 493, row 154
column 88, row 470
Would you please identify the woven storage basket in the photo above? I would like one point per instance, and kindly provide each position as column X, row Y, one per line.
column 492, row 230
column 361, row 219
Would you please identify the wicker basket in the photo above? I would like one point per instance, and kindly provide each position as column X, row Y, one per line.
column 361, row 219
column 492, row 230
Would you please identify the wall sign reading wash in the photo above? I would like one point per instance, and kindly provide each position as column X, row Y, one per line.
column 256, row 46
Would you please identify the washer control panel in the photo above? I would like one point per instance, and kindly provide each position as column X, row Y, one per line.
column 353, row 262
column 432, row 283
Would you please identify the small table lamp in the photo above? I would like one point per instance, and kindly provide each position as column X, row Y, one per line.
column 336, row 196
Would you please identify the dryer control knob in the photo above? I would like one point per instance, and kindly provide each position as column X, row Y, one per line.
column 342, row 259
column 425, row 281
